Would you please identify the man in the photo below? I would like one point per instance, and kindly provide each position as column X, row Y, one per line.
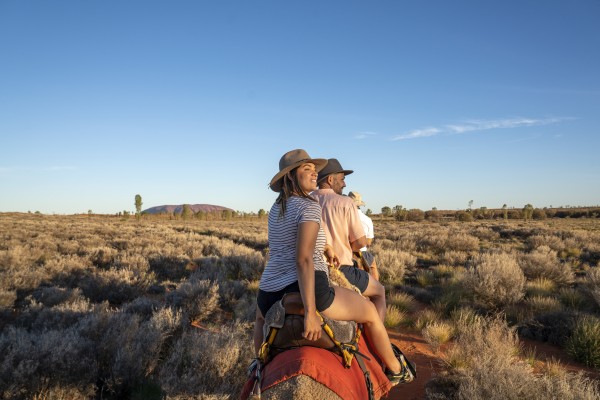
column 365, row 256
column 344, row 230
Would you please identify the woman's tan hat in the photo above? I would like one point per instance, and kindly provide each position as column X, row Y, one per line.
column 357, row 198
column 291, row 160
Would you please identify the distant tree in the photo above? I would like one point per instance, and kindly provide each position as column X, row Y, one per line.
column 90, row 212
column 527, row 212
column 386, row 211
column 200, row 215
column 138, row 204
column 464, row 216
column 368, row 212
column 433, row 215
column 187, row 212
column 400, row 213
column 470, row 205
column 415, row 215
column 261, row 213
column 505, row 212
column 226, row 215
column 538, row 214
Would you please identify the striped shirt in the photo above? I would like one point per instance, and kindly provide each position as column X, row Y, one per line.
column 283, row 234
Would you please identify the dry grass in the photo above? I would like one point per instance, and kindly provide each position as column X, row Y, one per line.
column 437, row 333
column 102, row 307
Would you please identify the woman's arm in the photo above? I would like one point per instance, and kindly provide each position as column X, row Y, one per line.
column 307, row 238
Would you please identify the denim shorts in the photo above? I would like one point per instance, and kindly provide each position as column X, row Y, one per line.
column 356, row 276
column 324, row 294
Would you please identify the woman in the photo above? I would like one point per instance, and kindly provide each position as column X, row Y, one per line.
column 296, row 264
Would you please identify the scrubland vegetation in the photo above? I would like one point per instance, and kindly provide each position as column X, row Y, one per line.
column 96, row 307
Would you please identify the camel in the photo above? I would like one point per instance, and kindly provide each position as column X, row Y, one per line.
column 308, row 372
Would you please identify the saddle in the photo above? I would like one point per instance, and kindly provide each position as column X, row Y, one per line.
column 285, row 321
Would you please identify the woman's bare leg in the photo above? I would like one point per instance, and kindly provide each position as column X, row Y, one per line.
column 258, row 331
column 350, row 306
column 375, row 291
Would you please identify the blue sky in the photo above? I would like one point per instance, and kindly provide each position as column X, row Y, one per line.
column 432, row 104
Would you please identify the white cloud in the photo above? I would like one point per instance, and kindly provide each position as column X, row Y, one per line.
column 364, row 135
column 478, row 126
column 483, row 125
column 418, row 133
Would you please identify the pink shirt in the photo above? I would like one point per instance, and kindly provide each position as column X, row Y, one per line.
column 341, row 222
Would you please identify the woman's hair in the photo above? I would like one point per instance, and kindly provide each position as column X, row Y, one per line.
column 290, row 187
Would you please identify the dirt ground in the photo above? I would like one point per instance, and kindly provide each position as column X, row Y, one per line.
column 419, row 352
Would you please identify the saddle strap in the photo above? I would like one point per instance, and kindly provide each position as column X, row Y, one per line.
column 366, row 373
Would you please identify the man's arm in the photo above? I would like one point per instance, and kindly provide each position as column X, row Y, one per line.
column 359, row 243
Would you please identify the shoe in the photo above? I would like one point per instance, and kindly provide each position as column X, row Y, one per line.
column 404, row 376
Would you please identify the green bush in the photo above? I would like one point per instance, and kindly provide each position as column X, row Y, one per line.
column 584, row 343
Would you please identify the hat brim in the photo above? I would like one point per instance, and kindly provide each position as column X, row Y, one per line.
column 344, row 171
column 275, row 183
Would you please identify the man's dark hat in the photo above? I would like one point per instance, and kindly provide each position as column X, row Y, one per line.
column 333, row 167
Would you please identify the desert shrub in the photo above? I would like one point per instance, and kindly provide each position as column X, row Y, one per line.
column 584, row 343
column 572, row 298
column 33, row 360
column 392, row 264
column 115, row 285
column 244, row 308
column 565, row 385
column 542, row 304
column 465, row 316
column 245, row 263
column 425, row 318
column 443, row 272
column 222, row 358
column 484, row 364
column 135, row 262
column 496, row 280
column 553, row 327
column 543, row 263
column 592, row 284
column 103, row 257
column 61, row 316
column 415, row 215
column 459, row 241
column 437, row 333
column 553, row 242
column 454, row 257
column 403, row 301
column 7, row 298
column 170, row 268
column 485, row 233
column 425, row 277
column 539, row 214
column 540, row 287
column 420, row 294
column 197, row 298
column 394, row 316
column 50, row 296
column 464, row 216
column 451, row 297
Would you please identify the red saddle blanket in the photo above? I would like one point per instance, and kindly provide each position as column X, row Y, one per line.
column 327, row 368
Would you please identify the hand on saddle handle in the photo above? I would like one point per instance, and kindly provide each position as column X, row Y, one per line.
column 330, row 256
column 312, row 326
